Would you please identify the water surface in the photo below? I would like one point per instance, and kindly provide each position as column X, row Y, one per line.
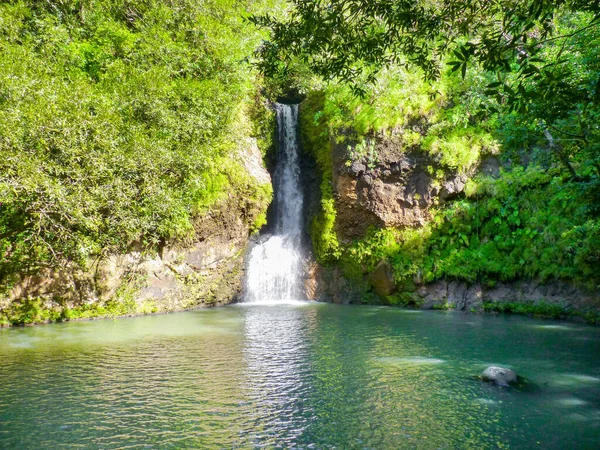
column 311, row 376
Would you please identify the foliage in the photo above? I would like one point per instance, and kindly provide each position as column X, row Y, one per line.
column 315, row 139
column 33, row 310
column 117, row 122
column 539, row 112
column 452, row 125
column 364, row 150
column 353, row 39
column 559, row 103
column 526, row 224
column 398, row 98
column 540, row 59
column 263, row 123
column 531, row 222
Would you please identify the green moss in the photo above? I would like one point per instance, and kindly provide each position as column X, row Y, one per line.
column 29, row 310
column 447, row 119
column 402, row 298
column 315, row 139
column 32, row 311
column 259, row 222
column 264, row 125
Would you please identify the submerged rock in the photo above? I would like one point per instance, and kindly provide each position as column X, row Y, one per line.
column 499, row 375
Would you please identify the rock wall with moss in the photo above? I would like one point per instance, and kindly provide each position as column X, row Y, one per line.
column 424, row 203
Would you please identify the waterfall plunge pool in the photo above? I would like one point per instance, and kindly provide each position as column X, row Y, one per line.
column 312, row 376
column 278, row 373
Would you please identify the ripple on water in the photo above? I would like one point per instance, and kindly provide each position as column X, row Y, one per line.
column 570, row 401
column 554, row 327
column 314, row 376
column 571, row 379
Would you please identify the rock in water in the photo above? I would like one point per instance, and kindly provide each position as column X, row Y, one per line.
column 382, row 279
column 499, row 375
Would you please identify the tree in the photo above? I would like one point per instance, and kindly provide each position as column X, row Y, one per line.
column 536, row 56
column 353, row 39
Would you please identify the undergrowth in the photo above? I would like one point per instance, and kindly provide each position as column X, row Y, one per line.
column 524, row 225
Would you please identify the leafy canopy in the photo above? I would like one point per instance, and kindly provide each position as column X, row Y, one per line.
column 353, row 39
column 540, row 56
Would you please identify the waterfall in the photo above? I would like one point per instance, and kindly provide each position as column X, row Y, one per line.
column 274, row 266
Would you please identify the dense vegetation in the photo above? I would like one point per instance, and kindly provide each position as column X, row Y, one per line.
column 120, row 120
column 532, row 221
column 538, row 219
column 118, row 123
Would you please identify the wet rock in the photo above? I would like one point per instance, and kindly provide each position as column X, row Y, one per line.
column 489, row 166
column 382, row 279
column 291, row 97
column 313, row 281
column 499, row 375
column 357, row 168
column 456, row 294
column 462, row 296
column 329, row 285
column 433, row 294
column 252, row 161
column 473, row 297
column 453, row 187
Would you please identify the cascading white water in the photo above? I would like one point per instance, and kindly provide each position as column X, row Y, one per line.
column 274, row 266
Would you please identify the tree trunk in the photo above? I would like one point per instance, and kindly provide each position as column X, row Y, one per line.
column 561, row 156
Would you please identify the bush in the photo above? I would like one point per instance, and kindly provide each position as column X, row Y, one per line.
column 117, row 123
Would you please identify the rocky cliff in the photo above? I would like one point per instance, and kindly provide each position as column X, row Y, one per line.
column 382, row 183
column 395, row 188
column 204, row 271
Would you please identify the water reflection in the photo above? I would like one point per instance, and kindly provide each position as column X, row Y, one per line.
column 276, row 354
column 310, row 376
column 151, row 382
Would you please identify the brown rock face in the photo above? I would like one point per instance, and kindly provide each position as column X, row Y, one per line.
column 313, row 281
column 207, row 271
column 395, row 190
column 382, row 279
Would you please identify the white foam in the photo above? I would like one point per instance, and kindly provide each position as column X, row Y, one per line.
column 275, row 302
column 412, row 361
column 571, row 401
